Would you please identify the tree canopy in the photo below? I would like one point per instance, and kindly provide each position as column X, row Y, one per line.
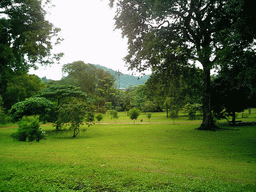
column 59, row 92
column 26, row 38
column 32, row 106
column 229, row 97
column 64, row 95
column 94, row 81
column 22, row 87
column 184, row 31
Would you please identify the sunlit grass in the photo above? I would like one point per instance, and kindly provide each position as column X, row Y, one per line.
column 126, row 157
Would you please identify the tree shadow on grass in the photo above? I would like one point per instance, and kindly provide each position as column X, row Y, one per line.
column 66, row 134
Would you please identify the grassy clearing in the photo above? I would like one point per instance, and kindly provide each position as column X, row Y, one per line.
column 125, row 157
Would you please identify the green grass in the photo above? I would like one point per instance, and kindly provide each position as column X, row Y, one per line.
column 120, row 156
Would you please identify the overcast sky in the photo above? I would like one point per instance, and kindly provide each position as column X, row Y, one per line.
column 87, row 27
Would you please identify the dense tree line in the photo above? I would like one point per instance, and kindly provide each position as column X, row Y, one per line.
column 26, row 38
column 170, row 37
column 216, row 34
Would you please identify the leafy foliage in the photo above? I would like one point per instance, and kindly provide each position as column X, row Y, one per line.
column 99, row 117
column 96, row 82
column 125, row 80
column 181, row 83
column 26, row 38
column 89, row 116
column 22, row 87
column 60, row 92
column 228, row 98
column 149, row 115
column 172, row 105
column 134, row 114
column 191, row 109
column 181, row 32
column 113, row 114
column 3, row 117
column 32, row 106
column 149, row 106
column 31, row 131
column 73, row 115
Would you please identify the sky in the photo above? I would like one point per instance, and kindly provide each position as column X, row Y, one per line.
column 87, row 27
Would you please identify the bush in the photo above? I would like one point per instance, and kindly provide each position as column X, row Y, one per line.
column 134, row 114
column 192, row 109
column 31, row 131
column 149, row 106
column 73, row 114
column 4, row 119
column 102, row 110
column 99, row 117
column 90, row 117
column 148, row 116
column 192, row 114
column 113, row 114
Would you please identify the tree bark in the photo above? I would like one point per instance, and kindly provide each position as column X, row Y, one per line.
column 233, row 118
column 208, row 123
column 166, row 111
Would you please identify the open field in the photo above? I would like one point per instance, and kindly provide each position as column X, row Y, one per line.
column 155, row 155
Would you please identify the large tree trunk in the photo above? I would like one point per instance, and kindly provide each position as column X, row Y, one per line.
column 208, row 123
column 233, row 118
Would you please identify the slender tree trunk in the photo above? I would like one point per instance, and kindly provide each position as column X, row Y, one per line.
column 208, row 123
column 167, row 111
column 58, row 124
column 233, row 118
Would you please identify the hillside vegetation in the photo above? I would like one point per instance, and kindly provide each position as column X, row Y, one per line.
column 126, row 80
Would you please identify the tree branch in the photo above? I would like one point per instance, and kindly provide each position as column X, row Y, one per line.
column 161, row 24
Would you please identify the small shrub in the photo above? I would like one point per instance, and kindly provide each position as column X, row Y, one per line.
column 192, row 109
column 73, row 114
column 99, row 117
column 148, row 116
column 173, row 115
column 31, row 131
column 4, row 119
column 192, row 114
column 113, row 114
column 134, row 114
column 90, row 117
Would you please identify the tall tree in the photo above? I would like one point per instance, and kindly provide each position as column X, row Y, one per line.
column 181, row 83
column 25, row 38
column 229, row 97
column 92, row 80
column 62, row 94
column 20, row 88
column 192, row 29
column 57, row 93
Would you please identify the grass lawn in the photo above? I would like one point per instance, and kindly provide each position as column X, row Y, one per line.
column 120, row 156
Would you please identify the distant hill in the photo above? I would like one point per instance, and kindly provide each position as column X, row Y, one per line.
column 125, row 80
